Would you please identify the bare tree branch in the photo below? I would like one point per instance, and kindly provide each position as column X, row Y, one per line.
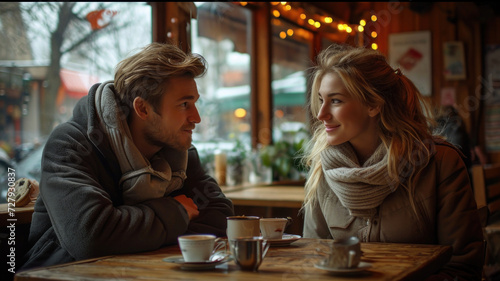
column 84, row 39
column 65, row 27
column 89, row 36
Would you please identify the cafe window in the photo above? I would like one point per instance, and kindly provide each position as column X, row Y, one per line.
column 219, row 34
column 253, row 99
column 291, row 49
column 95, row 37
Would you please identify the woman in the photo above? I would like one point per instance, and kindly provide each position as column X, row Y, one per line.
column 376, row 171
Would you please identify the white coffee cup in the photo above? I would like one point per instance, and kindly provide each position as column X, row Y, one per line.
column 272, row 228
column 242, row 226
column 199, row 247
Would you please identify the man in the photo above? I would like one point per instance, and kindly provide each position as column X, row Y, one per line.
column 121, row 176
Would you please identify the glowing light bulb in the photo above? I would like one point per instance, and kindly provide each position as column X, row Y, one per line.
column 240, row 112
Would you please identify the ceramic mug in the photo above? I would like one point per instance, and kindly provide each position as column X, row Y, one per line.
column 272, row 228
column 199, row 247
column 242, row 226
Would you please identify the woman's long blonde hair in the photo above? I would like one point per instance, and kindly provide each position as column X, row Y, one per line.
column 404, row 118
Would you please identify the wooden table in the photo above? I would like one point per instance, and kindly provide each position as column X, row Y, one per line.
column 295, row 262
column 267, row 196
column 269, row 201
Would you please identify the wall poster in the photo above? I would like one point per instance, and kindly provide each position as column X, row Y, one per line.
column 411, row 52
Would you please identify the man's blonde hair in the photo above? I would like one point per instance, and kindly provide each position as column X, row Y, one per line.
column 146, row 74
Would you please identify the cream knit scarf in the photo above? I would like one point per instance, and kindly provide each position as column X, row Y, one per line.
column 361, row 189
column 141, row 179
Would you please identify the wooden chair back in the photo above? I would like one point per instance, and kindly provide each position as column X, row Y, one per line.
column 486, row 184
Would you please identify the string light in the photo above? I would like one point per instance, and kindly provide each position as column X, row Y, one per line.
column 374, row 46
column 374, row 34
column 302, row 14
column 374, row 18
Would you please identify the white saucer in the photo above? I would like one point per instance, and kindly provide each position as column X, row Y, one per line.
column 215, row 260
column 286, row 240
column 361, row 267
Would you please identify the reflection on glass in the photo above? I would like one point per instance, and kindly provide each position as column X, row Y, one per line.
column 290, row 59
column 220, row 34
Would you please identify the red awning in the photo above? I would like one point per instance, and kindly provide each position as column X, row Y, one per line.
column 76, row 84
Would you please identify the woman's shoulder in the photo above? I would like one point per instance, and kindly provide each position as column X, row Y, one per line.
column 448, row 157
column 444, row 148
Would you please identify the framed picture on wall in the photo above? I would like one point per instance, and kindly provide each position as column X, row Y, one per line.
column 454, row 60
column 411, row 53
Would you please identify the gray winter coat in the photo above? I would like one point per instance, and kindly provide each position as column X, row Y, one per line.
column 80, row 213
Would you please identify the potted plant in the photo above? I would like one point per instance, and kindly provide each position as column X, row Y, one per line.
column 236, row 159
column 284, row 157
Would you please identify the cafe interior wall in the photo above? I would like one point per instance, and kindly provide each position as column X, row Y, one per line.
column 473, row 24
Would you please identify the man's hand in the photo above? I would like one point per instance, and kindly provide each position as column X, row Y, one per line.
column 189, row 205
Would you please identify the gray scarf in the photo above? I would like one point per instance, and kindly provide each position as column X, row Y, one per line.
column 141, row 179
column 361, row 189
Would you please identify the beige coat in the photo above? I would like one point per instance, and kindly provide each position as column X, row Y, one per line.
column 444, row 199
